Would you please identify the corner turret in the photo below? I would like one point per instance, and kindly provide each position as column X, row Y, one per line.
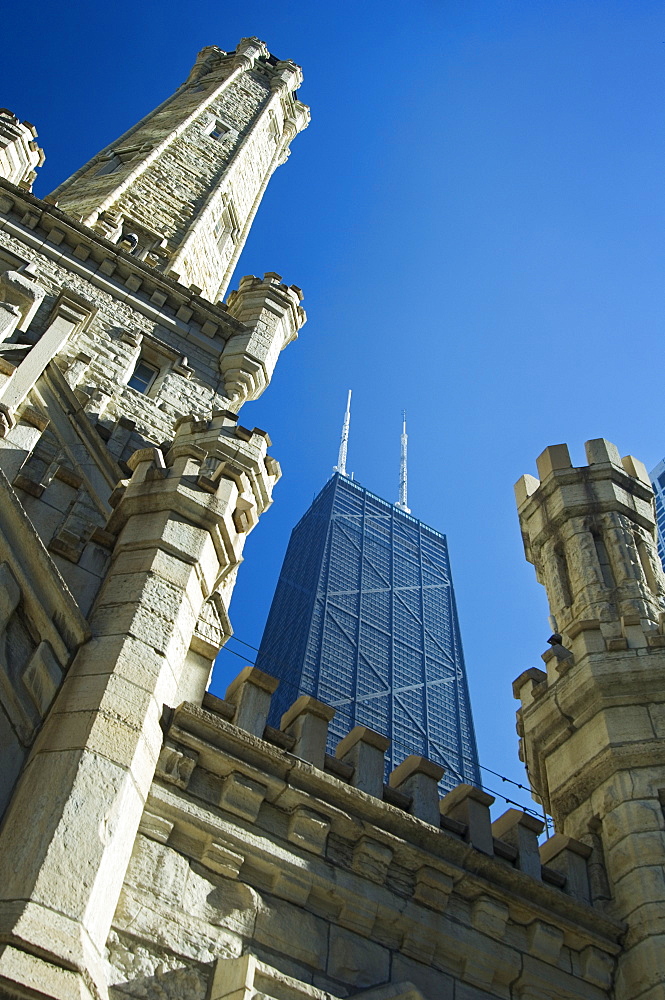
column 593, row 724
column 19, row 153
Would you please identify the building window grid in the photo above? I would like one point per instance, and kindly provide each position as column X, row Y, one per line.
column 409, row 613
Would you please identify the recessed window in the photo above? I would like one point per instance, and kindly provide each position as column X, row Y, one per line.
column 143, row 377
column 118, row 159
column 137, row 240
column 217, row 130
column 226, row 229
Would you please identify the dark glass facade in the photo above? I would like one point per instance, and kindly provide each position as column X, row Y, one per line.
column 657, row 477
column 364, row 619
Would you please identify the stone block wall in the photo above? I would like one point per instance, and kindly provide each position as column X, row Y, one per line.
column 41, row 628
column 70, row 441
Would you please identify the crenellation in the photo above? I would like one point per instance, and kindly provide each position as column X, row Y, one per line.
column 521, row 831
column 250, row 695
column 435, row 916
column 419, row 778
column 364, row 751
column 471, row 806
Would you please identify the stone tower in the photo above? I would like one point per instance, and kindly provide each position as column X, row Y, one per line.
column 182, row 186
column 593, row 724
column 128, row 483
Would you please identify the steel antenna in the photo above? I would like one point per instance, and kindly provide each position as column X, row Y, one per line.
column 343, row 444
column 402, row 502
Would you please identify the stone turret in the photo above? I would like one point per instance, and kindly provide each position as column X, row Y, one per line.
column 272, row 315
column 181, row 188
column 160, row 618
column 593, row 724
column 19, row 153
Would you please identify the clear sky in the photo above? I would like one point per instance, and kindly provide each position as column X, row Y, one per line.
column 475, row 216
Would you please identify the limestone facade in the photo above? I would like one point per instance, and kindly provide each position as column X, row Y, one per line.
column 129, row 486
column 158, row 842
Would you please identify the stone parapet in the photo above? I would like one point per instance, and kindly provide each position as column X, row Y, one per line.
column 332, row 886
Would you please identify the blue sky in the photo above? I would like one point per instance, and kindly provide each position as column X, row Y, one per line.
column 475, row 216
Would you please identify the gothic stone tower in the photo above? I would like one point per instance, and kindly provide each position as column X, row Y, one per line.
column 128, row 484
column 184, row 184
column 593, row 724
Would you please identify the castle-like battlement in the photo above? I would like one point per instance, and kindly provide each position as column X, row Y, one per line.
column 159, row 842
column 349, row 882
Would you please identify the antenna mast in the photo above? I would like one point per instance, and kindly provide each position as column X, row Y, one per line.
column 401, row 503
column 341, row 458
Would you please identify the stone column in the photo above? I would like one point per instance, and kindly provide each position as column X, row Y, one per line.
column 73, row 820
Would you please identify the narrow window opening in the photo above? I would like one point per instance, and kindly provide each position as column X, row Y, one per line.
column 647, row 567
column 217, row 130
column 604, row 560
column 227, row 231
column 117, row 159
column 143, row 377
column 137, row 240
column 273, row 126
column 563, row 575
column 596, row 867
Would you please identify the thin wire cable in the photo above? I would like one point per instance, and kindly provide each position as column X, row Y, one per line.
column 248, row 644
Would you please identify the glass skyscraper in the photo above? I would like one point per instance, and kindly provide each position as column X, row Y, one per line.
column 364, row 619
column 657, row 477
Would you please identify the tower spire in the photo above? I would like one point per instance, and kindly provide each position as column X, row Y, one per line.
column 401, row 503
column 343, row 444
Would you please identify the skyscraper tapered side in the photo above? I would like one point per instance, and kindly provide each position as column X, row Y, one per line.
column 364, row 619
